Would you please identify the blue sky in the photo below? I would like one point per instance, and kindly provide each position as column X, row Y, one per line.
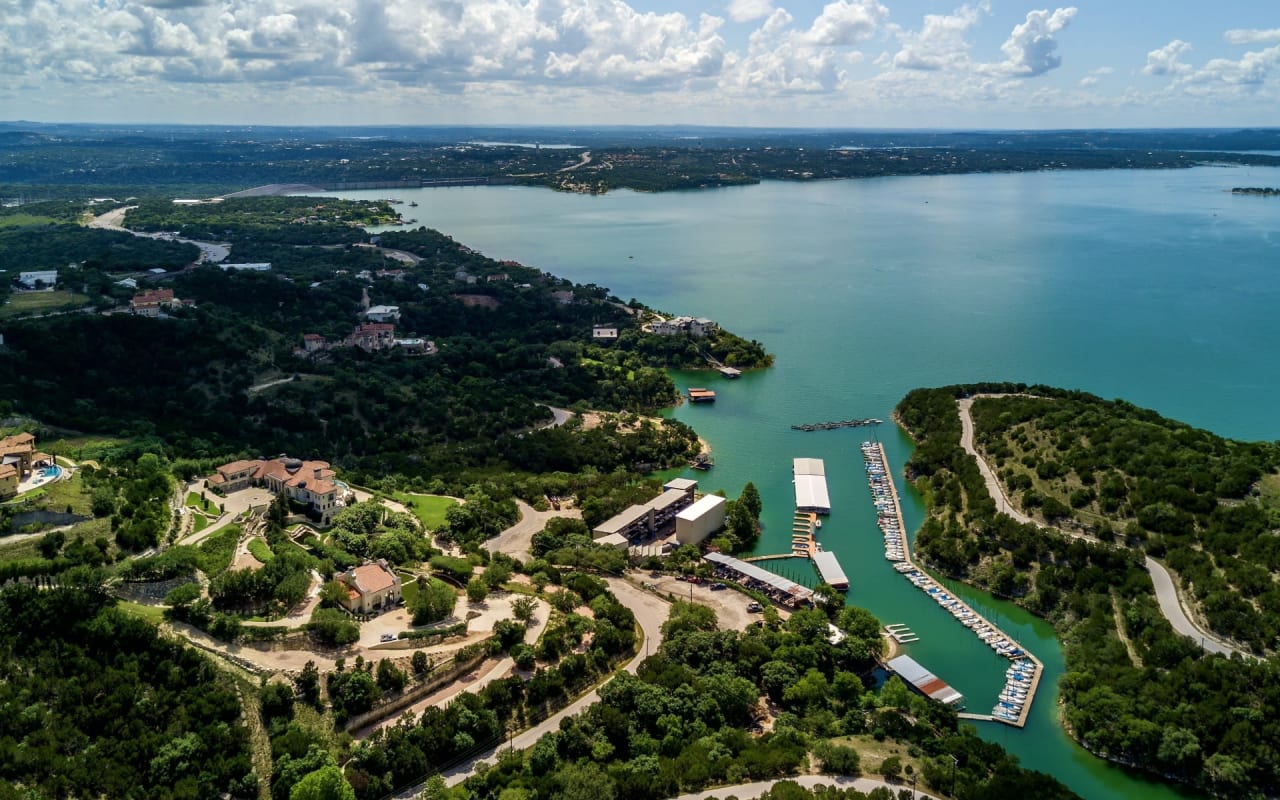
column 840, row 63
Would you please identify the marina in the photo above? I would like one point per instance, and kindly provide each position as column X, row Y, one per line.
column 697, row 394
column 1022, row 678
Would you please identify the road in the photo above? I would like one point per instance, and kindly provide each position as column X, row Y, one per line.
column 586, row 159
column 748, row 791
column 1166, row 590
column 650, row 611
column 516, row 540
column 114, row 221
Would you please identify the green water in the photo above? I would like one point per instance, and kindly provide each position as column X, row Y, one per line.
column 1155, row 286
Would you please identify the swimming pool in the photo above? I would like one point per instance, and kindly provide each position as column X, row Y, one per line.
column 49, row 473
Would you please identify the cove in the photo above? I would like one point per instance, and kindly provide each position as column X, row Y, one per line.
column 1154, row 286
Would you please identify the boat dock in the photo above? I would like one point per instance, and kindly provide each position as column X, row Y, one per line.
column 1022, row 678
column 901, row 634
column 831, row 426
column 924, row 681
column 829, row 569
column 697, row 394
column 810, row 479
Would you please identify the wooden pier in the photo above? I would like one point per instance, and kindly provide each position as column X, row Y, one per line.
column 879, row 455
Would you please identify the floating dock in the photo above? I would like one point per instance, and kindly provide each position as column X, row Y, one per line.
column 831, row 426
column 811, row 485
column 1022, row 678
column 730, row 372
column 924, row 681
column 697, row 394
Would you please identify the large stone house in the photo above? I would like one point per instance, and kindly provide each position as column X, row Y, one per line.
column 311, row 483
column 370, row 587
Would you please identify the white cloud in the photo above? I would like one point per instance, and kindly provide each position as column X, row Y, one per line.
column 940, row 43
column 749, row 10
column 1031, row 48
column 844, row 23
column 1250, row 71
column 1251, row 36
column 1164, row 61
column 1095, row 77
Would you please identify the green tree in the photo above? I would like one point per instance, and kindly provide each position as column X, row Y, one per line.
column 326, row 783
column 523, row 608
column 477, row 590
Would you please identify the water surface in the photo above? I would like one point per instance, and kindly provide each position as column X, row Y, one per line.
column 1155, row 286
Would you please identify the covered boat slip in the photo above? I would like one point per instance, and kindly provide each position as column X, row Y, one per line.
column 811, row 485
column 830, row 569
column 924, row 681
column 776, row 585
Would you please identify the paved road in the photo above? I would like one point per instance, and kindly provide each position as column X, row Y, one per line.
column 650, row 611
column 1166, row 591
column 516, row 540
column 747, row 791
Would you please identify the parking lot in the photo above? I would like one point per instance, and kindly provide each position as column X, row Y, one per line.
column 729, row 604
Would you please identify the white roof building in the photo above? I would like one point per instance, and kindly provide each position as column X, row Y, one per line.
column 39, row 279
column 383, row 314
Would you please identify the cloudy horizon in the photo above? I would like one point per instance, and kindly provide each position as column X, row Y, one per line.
column 847, row 63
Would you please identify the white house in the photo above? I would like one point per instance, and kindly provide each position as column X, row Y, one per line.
column 39, row 279
column 383, row 314
column 604, row 332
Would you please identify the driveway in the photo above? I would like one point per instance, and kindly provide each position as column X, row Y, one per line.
column 235, row 504
column 516, row 540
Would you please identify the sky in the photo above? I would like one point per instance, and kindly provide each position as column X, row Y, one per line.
column 793, row 63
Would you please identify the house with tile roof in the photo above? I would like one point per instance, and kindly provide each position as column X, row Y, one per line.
column 309, row 483
column 370, row 587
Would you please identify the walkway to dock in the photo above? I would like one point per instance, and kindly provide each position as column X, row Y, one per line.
column 977, row 717
column 878, row 465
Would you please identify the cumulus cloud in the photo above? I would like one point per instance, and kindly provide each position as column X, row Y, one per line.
column 1252, row 36
column 1031, row 48
column 940, row 43
column 1164, row 60
column 845, row 23
column 1249, row 71
column 749, row 10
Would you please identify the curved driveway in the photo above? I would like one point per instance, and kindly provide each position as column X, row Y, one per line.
column 1166, row 590
column 650, row 611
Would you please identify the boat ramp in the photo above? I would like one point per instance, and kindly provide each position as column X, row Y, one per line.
column 1022, row 678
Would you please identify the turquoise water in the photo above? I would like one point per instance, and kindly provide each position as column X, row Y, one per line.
column 1153, row 286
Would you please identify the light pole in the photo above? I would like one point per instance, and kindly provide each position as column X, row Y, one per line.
column 954, row 762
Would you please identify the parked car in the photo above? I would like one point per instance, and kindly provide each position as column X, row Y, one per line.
column 388, row 637
column 693, row 579
column 754, row 607
column 715, row 587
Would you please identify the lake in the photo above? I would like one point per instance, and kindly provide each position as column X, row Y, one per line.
column 1154, row 286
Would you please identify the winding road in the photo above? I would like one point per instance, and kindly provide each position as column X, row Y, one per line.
column 650, row 611
column 516, row 540
column 1166, row 591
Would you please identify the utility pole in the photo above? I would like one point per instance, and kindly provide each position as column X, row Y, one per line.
column 954, row 762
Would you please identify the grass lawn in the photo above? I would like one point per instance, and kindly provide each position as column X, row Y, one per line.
column 82, row 447
column 194, row 501
column 151, row 614
column 1269, row 488
column 874, row 753
column 430, row 509
column 24, row 303
column 199, row 522
column 69, row 493
column 19, row 551
column 259, row 550
column 408, row 590
column 24, row 220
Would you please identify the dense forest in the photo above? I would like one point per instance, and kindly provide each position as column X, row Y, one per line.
column 680, row 724
column 194, row 160
column 1134, row 691
column 101, row 706
column 511, row 340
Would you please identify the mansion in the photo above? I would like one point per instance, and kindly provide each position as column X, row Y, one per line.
column 310, row 483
